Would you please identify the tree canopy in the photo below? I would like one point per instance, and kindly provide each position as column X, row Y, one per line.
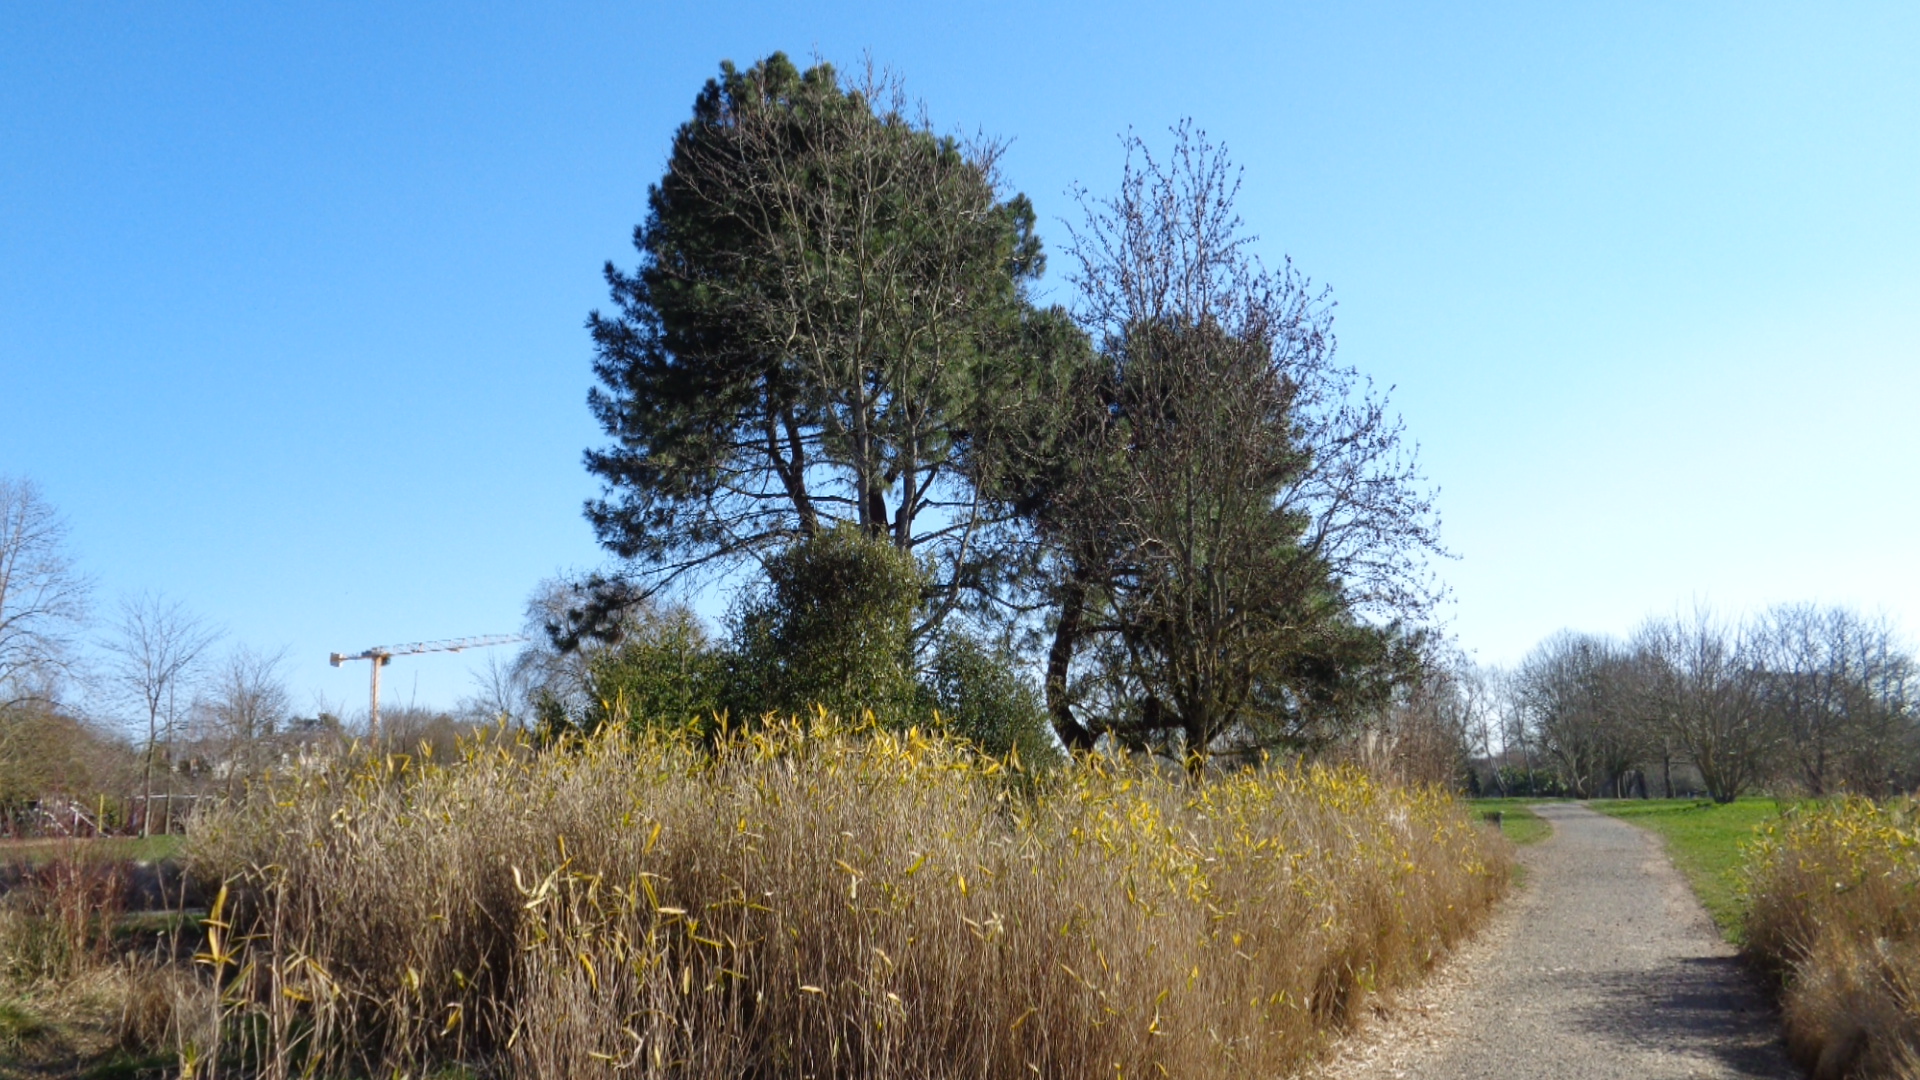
column 1230, row 530
column 828, row 294
column 830, row 335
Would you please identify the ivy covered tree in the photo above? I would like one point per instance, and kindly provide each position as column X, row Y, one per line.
column 829, row 298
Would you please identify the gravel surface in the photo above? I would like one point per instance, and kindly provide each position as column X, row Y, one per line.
column 1603, row 965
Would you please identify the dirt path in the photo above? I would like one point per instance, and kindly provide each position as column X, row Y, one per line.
column 1604, row 965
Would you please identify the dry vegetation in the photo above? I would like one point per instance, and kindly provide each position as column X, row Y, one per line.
column 1836, row 910
column 808, row 900
column 85, row 987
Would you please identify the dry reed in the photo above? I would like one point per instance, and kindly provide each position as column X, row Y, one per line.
column 1835, row 911
column 812, row 900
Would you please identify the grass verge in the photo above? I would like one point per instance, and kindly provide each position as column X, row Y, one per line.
column 1518, row 822
column 105, row 849
column 1706, row 842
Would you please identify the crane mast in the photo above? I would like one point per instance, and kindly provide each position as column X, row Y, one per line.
column 381, row 655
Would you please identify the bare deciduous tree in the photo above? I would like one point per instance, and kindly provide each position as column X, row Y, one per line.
column 1472, row 697
column 1839, row 689
column 1572, row 694
column 1703, row 691
column 1438, row 720
column 156, row 645
column 245, row 705
column 1222, row 505
column 501, row 692
column 43, row 599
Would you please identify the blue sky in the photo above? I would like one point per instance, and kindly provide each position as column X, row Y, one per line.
column 291, row 301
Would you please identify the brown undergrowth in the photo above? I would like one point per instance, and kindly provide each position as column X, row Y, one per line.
column 1835, row 911
column 814, row 900
column 84, row 988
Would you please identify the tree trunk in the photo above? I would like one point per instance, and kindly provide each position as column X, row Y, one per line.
column 1066, row 635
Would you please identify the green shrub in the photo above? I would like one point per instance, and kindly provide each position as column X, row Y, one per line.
column 664, row 672
column 1532, row 783
column 977, row 691
column 832, row 627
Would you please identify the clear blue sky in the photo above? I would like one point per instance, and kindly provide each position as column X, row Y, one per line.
column 291, row 296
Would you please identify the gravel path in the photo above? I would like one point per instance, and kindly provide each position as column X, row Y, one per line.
column 1603, row 965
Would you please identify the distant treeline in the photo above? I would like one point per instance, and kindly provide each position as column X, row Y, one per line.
column 1800, row 698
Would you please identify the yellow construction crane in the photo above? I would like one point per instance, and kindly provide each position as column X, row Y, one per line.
column 382, row 655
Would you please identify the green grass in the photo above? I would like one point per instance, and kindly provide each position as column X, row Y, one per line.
column 104, row 849
column 121, row 1065
column 1519, row 824
column 18, row 1025
column 1704, row 841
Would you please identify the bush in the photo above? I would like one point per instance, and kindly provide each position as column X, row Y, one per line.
column 1531, row 783
column 832, row 627
column 662, row 673
column 980, row 695
column 805, row 899
column 45, row 752
column 1835, row 911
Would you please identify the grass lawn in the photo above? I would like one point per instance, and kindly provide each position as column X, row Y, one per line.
column 1519, row 824
column 1704, row 840
column 103, row 849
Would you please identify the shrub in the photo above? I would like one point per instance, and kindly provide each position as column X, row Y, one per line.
column 1532, row 783
column 1835, row 911
column 832, row 627
column 983, row 699
column 806, row 899
column 663, row 673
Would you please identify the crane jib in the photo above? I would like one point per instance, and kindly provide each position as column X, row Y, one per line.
column 382, row 655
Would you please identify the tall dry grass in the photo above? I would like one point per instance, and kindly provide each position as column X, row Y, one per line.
column 810, row 900
column 1835, row 910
